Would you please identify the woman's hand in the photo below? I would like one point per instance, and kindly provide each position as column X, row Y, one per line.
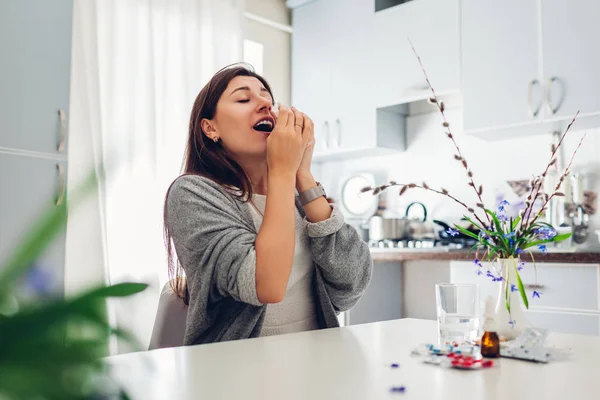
column 286, row 145
column 308, row 132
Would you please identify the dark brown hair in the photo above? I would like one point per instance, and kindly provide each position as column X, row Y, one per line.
column 207, row 158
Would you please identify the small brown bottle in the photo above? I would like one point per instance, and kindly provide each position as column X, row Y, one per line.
column 490, row 342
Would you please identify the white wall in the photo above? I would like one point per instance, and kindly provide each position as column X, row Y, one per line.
column 429, row 157
column 276, row 44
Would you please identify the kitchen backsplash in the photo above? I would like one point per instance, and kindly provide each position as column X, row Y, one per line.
column 429, row 158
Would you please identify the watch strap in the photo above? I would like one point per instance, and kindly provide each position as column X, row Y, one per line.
column 311, row 194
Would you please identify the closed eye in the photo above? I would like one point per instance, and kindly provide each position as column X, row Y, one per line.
column 243, row 101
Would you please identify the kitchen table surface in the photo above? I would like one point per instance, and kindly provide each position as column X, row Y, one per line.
column 351, row 363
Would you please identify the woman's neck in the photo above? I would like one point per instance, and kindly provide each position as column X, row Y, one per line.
column 257, row 172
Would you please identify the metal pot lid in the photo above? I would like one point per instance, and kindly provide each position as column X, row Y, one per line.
column 355, row 203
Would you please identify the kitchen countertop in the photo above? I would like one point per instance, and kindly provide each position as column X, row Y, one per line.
column 351, row 363
column 387, row 254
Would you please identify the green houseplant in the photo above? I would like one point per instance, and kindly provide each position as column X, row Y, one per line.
column 53, row 349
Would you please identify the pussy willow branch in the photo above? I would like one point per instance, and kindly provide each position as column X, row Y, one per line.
column 443, row 192
column 446, row 124
column 562, row 177
column 533, row 198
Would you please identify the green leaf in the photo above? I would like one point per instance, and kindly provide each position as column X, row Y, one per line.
column 499, row 231
column 116, row 290
column 520, row 286
column 506, row 295
column 515, row 223
column 466, row 232
column 557, row 238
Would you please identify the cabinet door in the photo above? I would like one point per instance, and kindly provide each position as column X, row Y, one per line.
column 311, row 68
column 35, row 46
column 499, row 61
column 571, row 55
column 28, row 186
column 433, row 28
column 352, row 84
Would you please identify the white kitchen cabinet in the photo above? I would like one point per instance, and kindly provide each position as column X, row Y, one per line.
column 433, row 28
column 35, row 71
column 311, row 67
column 333, row 77
column 528, row 66
column 30, row 186
column 500, row 63
column 570, row 301
column 571, row 56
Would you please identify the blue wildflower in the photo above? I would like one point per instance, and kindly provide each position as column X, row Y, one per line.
column 542, row 248
column 483, row 235
column 452, row 232
column 521, row 265
column 512, row 322
column 497, row 279
column 536, row 294
column 513, row 288
column 545, row 233
column 398, row 389
column 511, row 242
column 39, row 281
column 510, row 235
column 503, row 204
column 502, row 218
column 479, row 272
column 477, row 262
column 489, row 274
column 519, row 251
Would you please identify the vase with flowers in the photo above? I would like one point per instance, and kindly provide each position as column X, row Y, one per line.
column 502, row 239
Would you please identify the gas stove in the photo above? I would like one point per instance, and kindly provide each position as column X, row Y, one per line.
column 423, row 244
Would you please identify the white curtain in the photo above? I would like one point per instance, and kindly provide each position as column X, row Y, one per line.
column 137, row 68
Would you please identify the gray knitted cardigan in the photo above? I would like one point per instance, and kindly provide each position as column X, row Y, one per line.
column 214, row 234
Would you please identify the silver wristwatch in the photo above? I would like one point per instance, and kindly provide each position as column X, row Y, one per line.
column 311, row 194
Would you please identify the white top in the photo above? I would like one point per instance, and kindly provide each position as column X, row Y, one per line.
column 297, row 311
column 351, row 363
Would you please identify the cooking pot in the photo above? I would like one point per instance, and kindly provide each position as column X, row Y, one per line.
column 381, row 228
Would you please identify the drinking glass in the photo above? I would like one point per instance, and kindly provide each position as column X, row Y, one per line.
column 457, row 312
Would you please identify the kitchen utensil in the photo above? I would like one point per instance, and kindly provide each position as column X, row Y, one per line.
column 381, row 228
column 581, row 228
column 418, row 229
column 386, row 228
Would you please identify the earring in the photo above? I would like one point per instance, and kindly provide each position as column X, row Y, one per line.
column 216, row 139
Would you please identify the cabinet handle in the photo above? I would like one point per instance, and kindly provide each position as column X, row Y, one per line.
column 62, row 117
column 551, row 108
column 61, row 178
column 338, row 122
column 326, row 141
column 533, row 113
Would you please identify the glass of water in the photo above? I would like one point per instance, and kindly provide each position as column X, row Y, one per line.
column 457, row 312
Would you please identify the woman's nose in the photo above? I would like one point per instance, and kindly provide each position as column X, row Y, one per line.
column 264, row 104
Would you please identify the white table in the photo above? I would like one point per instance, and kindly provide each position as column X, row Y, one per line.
column 351, row 363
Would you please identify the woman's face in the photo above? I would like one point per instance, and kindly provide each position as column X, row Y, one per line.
column 244, row 118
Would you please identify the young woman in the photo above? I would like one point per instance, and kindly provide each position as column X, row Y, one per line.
column 263, row 251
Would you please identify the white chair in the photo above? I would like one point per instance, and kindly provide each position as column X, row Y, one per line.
column 169, row 325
